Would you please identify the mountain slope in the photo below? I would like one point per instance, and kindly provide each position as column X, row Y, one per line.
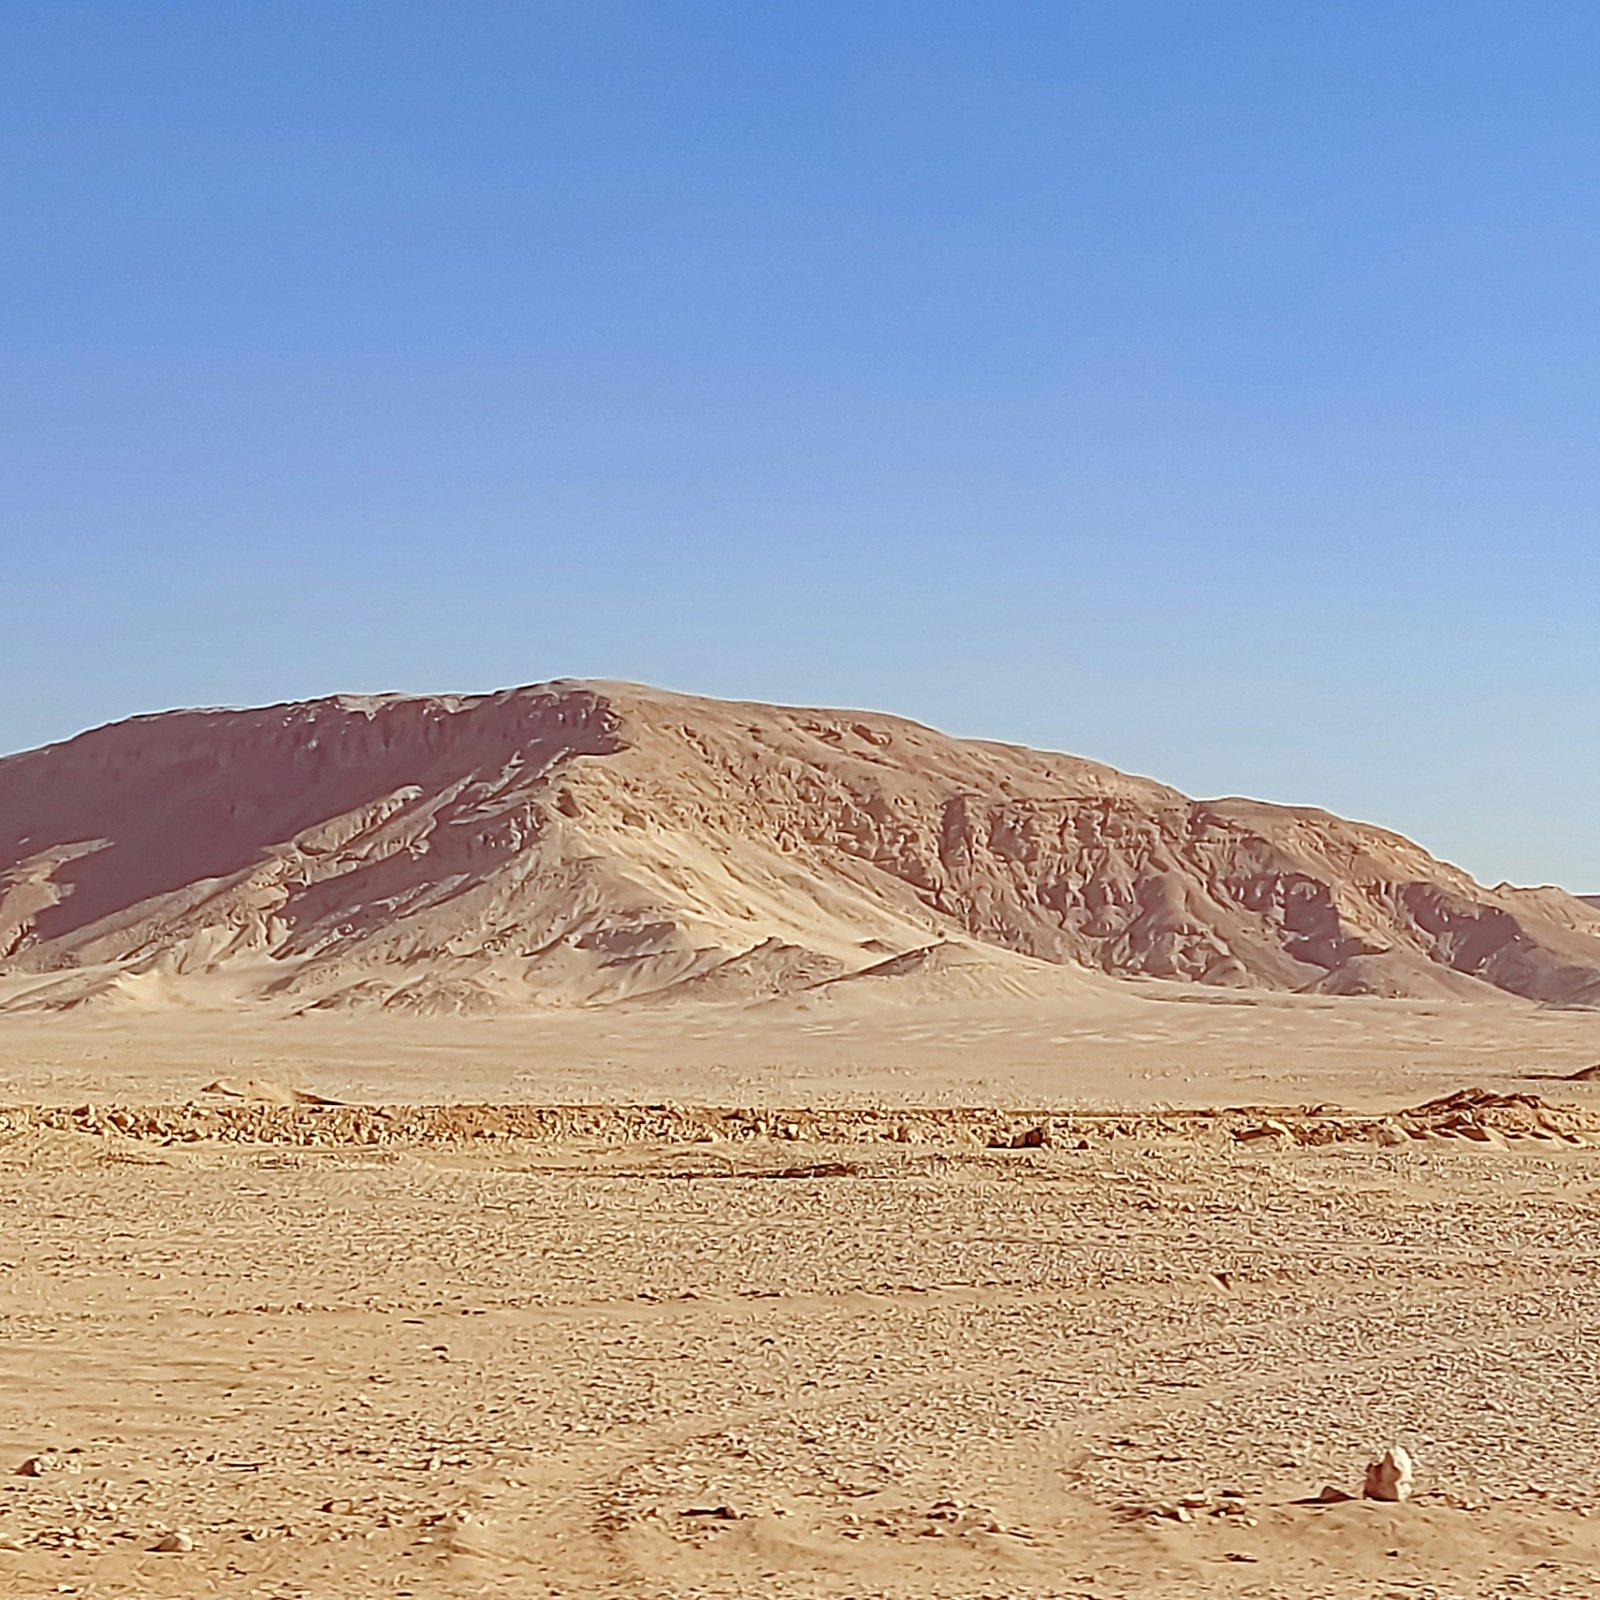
column 584, row 842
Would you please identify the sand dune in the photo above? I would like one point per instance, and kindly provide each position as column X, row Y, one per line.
column 586, row 843
column 952, row 970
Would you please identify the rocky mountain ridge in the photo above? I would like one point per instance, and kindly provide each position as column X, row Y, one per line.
column 590, row 843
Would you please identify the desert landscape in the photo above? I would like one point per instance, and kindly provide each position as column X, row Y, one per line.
column 587, row 1140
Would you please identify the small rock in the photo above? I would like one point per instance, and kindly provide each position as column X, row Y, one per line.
column 174, row 1544
column 1390, row 1476
column 1331, row 1494
column 1271, row 1128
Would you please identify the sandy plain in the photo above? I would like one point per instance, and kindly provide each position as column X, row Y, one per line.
column 798, row 1348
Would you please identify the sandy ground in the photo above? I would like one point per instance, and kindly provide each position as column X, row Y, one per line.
column 1135, row 1044
column 689, row 1362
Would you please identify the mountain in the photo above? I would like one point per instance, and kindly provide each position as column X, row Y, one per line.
column 585, row 843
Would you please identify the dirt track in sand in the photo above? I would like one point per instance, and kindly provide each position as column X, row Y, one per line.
column 338, row 1352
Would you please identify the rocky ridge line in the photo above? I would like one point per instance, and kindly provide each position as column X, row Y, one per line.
column 1472, row 1117
column 583, row 844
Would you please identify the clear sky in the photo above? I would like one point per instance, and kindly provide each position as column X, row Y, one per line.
column 1209, row 388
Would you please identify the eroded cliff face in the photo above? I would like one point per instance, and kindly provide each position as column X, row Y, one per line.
column 588, row 843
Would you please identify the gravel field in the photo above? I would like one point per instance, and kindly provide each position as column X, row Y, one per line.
column 756, row 1360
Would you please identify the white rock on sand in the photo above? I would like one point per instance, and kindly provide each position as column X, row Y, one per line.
column 1390, row 1476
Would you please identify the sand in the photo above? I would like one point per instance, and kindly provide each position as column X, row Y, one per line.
column 371, row 1349
column 1179, row 1046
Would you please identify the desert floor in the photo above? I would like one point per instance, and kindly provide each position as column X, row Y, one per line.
column 1123, row 1044
column 665, row 1353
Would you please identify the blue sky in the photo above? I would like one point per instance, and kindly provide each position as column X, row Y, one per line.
column 1210, row 389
